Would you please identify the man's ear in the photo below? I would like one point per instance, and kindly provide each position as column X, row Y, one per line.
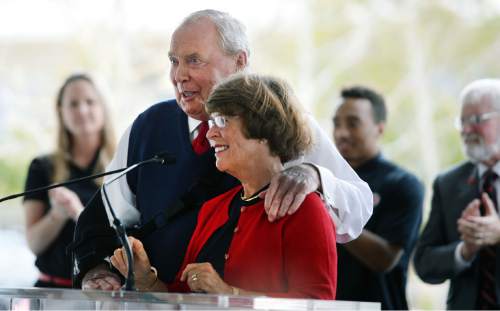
column 241, row 60
column 381, row 128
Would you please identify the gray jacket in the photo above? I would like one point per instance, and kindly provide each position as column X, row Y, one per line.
column 435, row 252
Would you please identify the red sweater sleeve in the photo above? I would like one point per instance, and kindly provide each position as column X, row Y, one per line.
column 213, row 214
column 310, row 253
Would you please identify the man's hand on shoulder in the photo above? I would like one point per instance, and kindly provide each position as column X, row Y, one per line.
column 288, row 190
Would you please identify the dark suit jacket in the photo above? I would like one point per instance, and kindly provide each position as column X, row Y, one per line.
column 435, row 252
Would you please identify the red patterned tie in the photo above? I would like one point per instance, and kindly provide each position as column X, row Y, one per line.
column 200, row 143
column 487, row 298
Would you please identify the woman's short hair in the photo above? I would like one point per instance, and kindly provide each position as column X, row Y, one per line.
column 268, row 109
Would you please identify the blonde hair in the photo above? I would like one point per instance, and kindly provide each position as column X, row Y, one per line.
column 62, row 155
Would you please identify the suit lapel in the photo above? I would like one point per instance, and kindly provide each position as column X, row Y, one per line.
column 468, row 188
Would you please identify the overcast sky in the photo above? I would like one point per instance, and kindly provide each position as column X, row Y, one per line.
column 48, row 18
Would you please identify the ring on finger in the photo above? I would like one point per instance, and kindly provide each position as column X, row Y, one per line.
column 194, row 277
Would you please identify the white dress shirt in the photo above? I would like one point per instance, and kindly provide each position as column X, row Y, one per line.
column 348, row 197
column 193, row 128
column 460, row 262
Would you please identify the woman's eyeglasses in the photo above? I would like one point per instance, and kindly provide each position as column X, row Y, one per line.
column 218, row 120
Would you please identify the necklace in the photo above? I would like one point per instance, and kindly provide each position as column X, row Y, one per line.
column 253, row 197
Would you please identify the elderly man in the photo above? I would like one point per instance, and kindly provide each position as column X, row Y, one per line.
column 207, row 47
column 379, row 257
column 460, row 241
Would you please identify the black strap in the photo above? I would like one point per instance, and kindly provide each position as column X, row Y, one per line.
column 205, row 188
column 162, row 219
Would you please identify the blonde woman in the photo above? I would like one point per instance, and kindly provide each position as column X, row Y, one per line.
column 85, row 144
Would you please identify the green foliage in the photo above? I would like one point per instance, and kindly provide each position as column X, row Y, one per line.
column 12, row 176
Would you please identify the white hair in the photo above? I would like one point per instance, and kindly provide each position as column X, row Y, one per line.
column 232, row 34
column 475, row 91
column 474, row 94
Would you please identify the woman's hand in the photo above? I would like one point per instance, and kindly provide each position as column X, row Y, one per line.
column 65, row 203
column 202, row 277
column 145, row 278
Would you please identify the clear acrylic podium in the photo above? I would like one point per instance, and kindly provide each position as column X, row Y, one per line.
column 72, row 299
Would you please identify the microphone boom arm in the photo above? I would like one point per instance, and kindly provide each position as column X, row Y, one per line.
column 73, row 181
column 163, row 158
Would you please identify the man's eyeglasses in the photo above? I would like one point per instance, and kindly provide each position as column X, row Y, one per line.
column 475, row 119
column 217, row 119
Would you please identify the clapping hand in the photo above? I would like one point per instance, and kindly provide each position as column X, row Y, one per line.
column 476, row 230
column 65, row 203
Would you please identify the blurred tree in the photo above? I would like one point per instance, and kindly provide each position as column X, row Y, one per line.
column 419, row 54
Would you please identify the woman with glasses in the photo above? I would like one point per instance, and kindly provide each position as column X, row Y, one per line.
column 85, row 144
column 256, row 125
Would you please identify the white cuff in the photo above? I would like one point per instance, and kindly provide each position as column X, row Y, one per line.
column 328, row 185
column 345, row 228
column 460, row 263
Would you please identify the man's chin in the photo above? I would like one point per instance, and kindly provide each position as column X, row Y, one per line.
column 193, row 108
column 478, row 154
column 196, row 114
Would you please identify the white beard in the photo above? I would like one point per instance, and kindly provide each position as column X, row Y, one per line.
column 481, row 152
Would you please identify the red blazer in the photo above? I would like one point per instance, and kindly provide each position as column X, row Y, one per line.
column 294, row 257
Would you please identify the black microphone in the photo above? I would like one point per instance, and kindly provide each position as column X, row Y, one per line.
column 163, row 158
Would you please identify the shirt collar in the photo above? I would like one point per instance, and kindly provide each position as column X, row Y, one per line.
column 370, row 164
column 193, row 124
column 483, row 168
